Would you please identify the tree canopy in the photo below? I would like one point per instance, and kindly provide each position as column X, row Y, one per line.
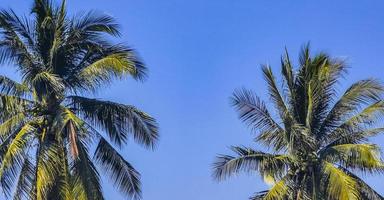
column 318, row 139
column 55, row 139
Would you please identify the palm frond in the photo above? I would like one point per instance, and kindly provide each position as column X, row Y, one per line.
column 46, row 20
column 15, row 148
column 358, row 122
column 279, row 191
column 287, row 72
column 259, row 195
column 26, row 177
column 300, row 97
column 111, row 66
column 339, row 184
column 78, row 189
column 118, row 120
column 366, row 192
column 365, row 157
column 93, row 22
column 61, row 187
column 12, row 46
column 12, row 157
column 254, row 112
column 125, row 177
column 47, row 83
column 11, row 87
column 305, row 55
column 42, row 9
column 12, row 105
column 20, row 25
column 7, row 126
column 362, row 93
column 87, row 176
column 47, row 169
column 354, row 137
column 249, row 160
column 276, row 96
column 368, row 116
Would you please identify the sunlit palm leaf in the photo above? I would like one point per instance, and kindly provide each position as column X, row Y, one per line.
column 16, row 147
column 47, row 170
column 279, row 191
column 365, row 157
column 366, row 192
column 112, row 66
column 12, row 156
column 11, row 105
column 339, row 184
column 8, row 126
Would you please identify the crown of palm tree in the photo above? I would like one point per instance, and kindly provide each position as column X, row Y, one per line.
column 319, row 141
column 48, row 133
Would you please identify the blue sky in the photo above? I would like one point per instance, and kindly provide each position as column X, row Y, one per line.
column 198, row 53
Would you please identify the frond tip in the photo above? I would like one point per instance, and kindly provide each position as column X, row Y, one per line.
column 126, row 178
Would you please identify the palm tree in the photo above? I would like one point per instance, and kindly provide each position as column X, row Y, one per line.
column 55, row 140
column 319, row 141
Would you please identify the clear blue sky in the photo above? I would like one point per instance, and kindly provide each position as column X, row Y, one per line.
column 198, row 52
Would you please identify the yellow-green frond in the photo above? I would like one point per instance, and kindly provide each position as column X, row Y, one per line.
column 365, row 157
column 15, row 148
column 339, row 185
column 278, row 192
column 111, row 66
column 48, row 166
column 7, row 126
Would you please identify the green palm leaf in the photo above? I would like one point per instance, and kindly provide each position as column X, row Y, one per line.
column 25, row 182
column 10, row 87
column 118, row 120
column 249, row 160
column 125, row 177
column 254, row 112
